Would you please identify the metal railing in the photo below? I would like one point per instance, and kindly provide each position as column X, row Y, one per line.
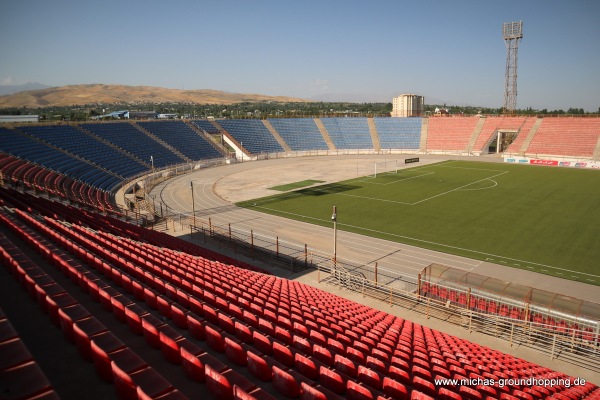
column 569, row 345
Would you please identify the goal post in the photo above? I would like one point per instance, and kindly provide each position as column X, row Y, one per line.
column 373, row 169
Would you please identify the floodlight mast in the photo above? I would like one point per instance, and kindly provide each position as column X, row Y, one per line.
column 512, row 33
column 334, row 219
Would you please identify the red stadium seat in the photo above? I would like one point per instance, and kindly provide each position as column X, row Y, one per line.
column 259, row 367
column 192, row 365
column 306, row 366
column 311, row 393
column 215, row 339
column 262, row 343
column 332, row 380
column 83, row 331
column 235, row 352
column 369, row 377
column 196, row 327
column 283, row 354
column 354, row 391
column 446, row 394
column 218, row 385
column 345, row 366
column 394, row 389
column 170, row 348
column 285, row 383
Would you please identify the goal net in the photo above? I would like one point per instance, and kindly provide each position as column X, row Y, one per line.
column 373, row 169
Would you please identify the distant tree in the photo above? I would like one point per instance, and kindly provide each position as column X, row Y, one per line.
column 575, row 111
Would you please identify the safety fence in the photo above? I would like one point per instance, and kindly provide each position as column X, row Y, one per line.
column 573, row 344
column 576, row 343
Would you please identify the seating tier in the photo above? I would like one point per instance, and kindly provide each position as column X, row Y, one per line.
column 136, row 142
column 399, row 133
column 301, row 134
column 450, row 133
column 220, row 322
column 252, row 134
column 349, row 133
column 575, row 137
column 183, row 138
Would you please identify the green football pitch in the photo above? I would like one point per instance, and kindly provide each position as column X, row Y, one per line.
column 536, row 218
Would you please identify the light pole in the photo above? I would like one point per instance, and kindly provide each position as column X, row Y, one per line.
column 334, row 219
column 152, row 162
column 193, row 204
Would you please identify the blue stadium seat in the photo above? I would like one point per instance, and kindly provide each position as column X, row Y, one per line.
column 398, row 133
column 300, row 134
column 136, row 142
column 205, row 125
column 27, row 148
column 182, row 138
column 76, row 142
column 252, row 134
column 349, row 133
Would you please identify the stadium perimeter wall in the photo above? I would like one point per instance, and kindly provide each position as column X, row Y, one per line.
column 553, row 161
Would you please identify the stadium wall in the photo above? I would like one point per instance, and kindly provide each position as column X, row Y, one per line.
column 553, row 162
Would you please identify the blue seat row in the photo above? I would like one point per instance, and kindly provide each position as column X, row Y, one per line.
column 25, row 147
column 398, row 133
column 300, row 133
column 136, row 142
column 205, row 125
column 349, row 133
column 183, row 138
column 76, row 142
column 252, row 134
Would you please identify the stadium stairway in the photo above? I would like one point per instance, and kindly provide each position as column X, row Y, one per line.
column 325, row 134
column 276, row 135
column 525, row 144
column 424, row 133
column 596, row 154
column 162, row 142
column 201, row 132
column 127, row 304
column 475, row 135
column 20, row 374
column 112, row 145
column 374, row 135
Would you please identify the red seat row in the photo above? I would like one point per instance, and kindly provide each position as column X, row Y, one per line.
column 299, row 338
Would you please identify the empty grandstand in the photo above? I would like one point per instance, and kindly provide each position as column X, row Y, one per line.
column 450, row 133
column 252, row 135
column 349, row 133
column 232, row 332
column 399, row 133
column 566, row 137
column 183, row 139
column 300, row 133
column 136, row 142
column 154, row 316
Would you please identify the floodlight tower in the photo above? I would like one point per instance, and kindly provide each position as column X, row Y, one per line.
column 512, row 33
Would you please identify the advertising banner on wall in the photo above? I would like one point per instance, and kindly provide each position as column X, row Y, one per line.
column 565, row 162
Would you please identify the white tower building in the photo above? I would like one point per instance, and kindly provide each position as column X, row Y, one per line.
column 408, row 105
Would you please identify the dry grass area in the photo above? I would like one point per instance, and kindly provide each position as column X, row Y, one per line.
column 108, row 94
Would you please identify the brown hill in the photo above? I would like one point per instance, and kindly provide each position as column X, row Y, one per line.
column 109, row 94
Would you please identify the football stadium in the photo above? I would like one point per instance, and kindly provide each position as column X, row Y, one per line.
column 440, row 257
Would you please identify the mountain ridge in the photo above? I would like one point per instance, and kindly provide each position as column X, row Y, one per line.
column 106, row 94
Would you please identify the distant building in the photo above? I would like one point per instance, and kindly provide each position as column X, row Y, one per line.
column 408, row 105
column 123, row 114
column 441, row 112
column 6, row 119
column 167, row 116
column 142, row 114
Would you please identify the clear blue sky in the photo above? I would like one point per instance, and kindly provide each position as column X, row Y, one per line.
column 372, row 50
